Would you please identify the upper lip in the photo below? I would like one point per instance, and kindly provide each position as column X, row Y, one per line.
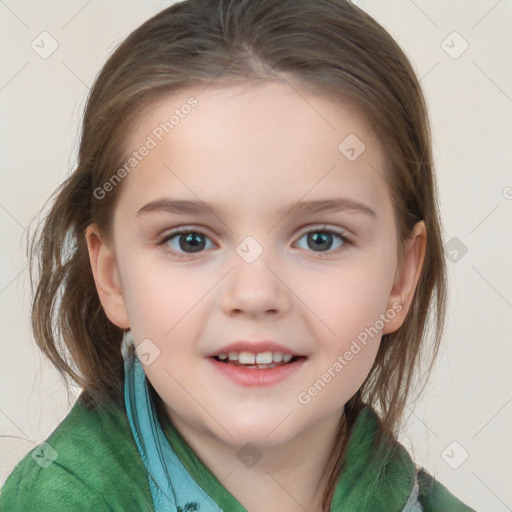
column 255, row 347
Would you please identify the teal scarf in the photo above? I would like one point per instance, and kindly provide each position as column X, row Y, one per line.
column 367, row 483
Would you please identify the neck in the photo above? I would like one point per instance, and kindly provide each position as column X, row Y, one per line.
column 287, row 477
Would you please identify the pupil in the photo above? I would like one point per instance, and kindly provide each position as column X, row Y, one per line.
column 322, row 237
column 189, row 239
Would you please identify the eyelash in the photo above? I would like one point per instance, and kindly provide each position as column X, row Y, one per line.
column 318, row 229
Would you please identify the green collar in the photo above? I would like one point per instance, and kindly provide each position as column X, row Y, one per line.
column 373, row 478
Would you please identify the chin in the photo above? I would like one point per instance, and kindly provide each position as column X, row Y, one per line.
column 258, row 430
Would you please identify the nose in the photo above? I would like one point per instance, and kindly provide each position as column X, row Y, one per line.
column 256, row 288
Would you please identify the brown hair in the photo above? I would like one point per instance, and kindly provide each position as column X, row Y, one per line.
column 330, row 46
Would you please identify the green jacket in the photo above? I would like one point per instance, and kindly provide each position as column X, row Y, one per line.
column 90, row 462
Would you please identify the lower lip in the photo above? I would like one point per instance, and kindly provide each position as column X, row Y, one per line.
column 255, row 377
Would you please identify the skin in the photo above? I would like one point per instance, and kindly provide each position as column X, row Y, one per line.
column 252, row 150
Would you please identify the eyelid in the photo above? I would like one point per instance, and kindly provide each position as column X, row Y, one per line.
column 303, row 231
column 171, row 233
column 326, row 227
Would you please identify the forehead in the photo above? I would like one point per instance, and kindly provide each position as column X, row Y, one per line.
column 266, row 141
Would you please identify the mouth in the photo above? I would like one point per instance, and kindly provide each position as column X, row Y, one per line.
column 252, row 362
column 257, row 370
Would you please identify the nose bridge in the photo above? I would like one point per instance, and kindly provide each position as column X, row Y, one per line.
column 253, row 285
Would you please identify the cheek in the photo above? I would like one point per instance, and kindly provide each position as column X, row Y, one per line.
column 164, row 304
column 347, row 298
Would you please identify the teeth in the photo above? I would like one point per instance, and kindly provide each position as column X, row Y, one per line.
column 259, row 358
column 246, row 358
column 264, row 357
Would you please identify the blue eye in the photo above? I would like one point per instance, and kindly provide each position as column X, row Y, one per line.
column 186, row 241
column 322, row 239
column 194, row 240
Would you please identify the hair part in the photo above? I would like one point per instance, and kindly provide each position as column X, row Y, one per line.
column 329, row 46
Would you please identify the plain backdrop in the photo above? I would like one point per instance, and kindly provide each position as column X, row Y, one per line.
column 460, row 427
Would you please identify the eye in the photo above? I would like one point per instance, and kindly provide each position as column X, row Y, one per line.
column 186, row 240
column 322, row 239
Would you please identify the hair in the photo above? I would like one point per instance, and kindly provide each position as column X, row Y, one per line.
column 328, row 46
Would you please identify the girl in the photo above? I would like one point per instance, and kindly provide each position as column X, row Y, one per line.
column 242, row 269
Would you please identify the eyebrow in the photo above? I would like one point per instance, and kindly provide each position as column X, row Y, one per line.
column 188, row 207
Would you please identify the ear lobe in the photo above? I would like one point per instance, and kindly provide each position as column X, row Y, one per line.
column 106, row 277
column 407, row 277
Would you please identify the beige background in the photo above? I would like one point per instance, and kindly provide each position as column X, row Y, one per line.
column 469, row 398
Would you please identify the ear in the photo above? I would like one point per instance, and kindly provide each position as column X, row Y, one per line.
column 106, row 277
column 406, row 278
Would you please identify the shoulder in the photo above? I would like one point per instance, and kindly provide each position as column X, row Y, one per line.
column 435, row 497
column 89, row 462
column 395, row 471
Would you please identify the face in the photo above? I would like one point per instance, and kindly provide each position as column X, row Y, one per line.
column 253, row 265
